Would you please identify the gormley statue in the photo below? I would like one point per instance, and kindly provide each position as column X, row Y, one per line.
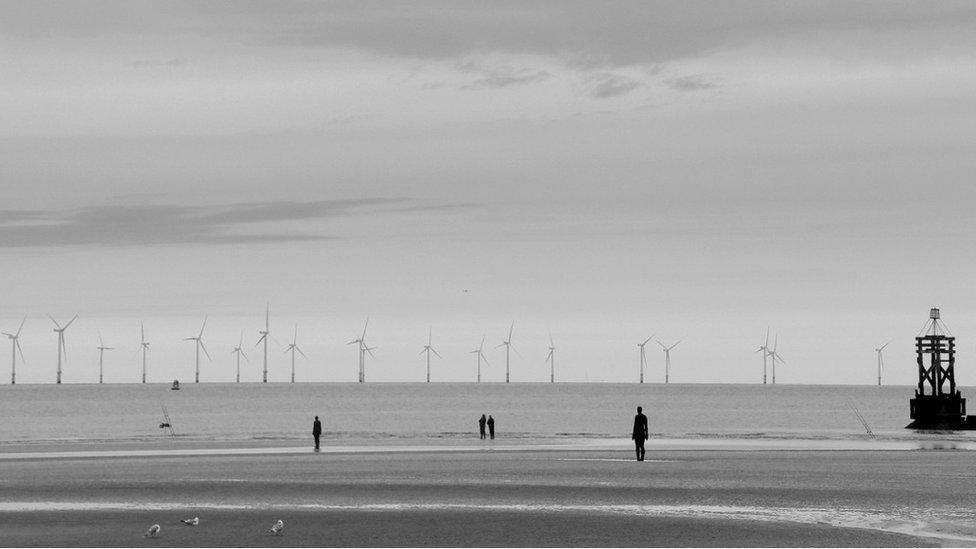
column 941, row 407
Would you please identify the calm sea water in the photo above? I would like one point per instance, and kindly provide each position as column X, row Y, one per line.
column 37, row 413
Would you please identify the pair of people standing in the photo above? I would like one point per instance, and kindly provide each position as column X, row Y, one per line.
column 490, row 422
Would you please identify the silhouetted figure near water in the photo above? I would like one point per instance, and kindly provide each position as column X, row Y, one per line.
column 317, row 431
column 481, row 426
column 491, row 427
column 640, row 433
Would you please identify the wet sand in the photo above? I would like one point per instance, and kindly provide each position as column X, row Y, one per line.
column 519, row 497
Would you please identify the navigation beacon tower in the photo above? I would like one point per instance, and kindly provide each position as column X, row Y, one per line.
column 936, row 406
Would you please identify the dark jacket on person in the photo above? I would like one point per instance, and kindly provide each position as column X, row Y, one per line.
column 316, row 428
column 640, row 427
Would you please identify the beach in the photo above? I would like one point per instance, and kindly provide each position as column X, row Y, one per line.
column 483, row 494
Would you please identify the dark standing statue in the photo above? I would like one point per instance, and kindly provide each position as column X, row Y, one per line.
column 316, row 431
column 640, row 433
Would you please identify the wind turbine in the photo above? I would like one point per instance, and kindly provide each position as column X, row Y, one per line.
column 481, row 355
column 508, row 345
column 775, row 356
column 14, row 348
column 240, row 352
column 643, row 357
column 765, row 351
column 429, row 349
column 101, row 355
column 62, row 350
column 293, row 346
column 363, row 349
column 264, row 337
column 880, row 361
column 199, row 342
column 551, row 359
column 667, row 360
column 145, row 348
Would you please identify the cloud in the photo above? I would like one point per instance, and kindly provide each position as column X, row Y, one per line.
column 123, row 225
column 692, row 82
column 501, row 80
column 611, row 85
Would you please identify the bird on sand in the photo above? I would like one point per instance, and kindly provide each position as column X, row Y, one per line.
column 277, row 528
column 195, row 521
column 152, row 532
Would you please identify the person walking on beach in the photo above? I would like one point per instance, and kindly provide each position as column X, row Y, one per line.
column 491, row 427
column 640, row 433
column 481, row 426
column 316, row 431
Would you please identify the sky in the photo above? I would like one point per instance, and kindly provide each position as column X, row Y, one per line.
column 604, row 172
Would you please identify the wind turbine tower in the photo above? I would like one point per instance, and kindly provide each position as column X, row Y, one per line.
column 643, row 357
column 264, row 337
column 62, row 351
column 508, row 346
column 667, row 360
column 293, row 346
column 145, row 348
column 481, row 355
column 774, row 356
column 430, row 349
column 880, row 361
column 199, row 345
column 101, row 356
column 764, row 348
column 363, row 349
column 240, row 352
column 14, row 349
column 551, row 359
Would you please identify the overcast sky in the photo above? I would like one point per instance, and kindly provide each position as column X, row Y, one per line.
column 603, row 171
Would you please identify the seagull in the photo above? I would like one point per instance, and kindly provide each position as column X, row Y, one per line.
column 195, row 521
column 152, row 532
column 277, row 528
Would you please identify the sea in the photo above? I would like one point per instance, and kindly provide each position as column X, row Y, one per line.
column 695, row 415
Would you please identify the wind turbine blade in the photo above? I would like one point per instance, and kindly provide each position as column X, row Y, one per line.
column 370, row 351
column 70, row 321
column 482, row 342
column 300, row 351
column 881, row 349
column 204, row 326
column 64, row 345
column 436, row 353
column 430, row 334
column 100, row 342
column 510, row 331
column 365, row 325
column 354, row 341
column 263, row 336
column 760, row 349
column 514, row 349
column 204, row 347
column 779, row 358
column 244, row 355
column 775, row 343
column 500, row 345
column 17, row 343
column 295, row 340
column 675, row 345
column 663, row 346
column 242, row 339
column 189, row 339
column 767, row 337
column 551, row 344
column 646, row 340
column 423, row 351
column 54, row 321
column 21, row 326
column 483, row 357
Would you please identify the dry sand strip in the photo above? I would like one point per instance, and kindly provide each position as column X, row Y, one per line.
column 421, row 529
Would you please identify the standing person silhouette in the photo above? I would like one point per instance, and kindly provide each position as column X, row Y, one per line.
column 481, row 426
column 491, row 427
column 316, row 431
column 640, row 433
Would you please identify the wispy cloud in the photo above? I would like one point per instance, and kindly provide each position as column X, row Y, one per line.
column 693, row 82
column 123, row 225
column 604, row 86
column 500, row 80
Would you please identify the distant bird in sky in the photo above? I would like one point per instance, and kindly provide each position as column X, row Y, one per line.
column 277, row 528
column 195, row 521
column 152, row 532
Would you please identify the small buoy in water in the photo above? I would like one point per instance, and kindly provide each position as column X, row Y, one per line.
column 195, row 521
column 277, row 528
